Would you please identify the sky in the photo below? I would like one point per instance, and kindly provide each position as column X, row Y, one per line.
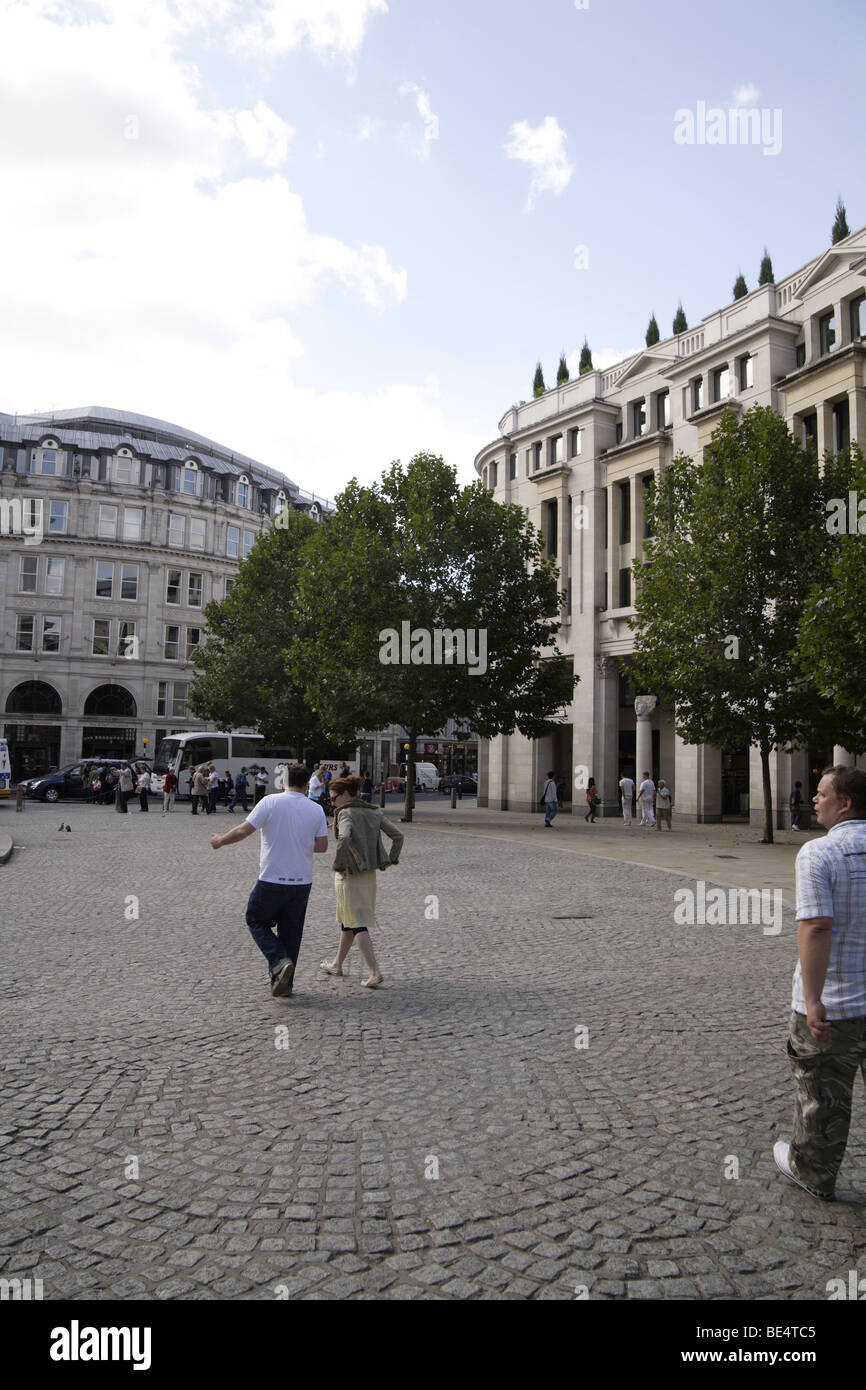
column 334, row 233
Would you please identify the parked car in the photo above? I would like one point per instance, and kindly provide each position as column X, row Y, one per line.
column 71, row 781
column 461, row 781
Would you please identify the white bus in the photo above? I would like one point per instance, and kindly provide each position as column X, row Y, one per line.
column 183, row 751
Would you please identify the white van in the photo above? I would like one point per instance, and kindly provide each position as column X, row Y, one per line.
column 426, row 776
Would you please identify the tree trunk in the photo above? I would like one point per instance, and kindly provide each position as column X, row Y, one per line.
column 410, row 777
column 768, row 795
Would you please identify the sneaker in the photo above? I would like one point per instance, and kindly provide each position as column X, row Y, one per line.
column 782, row 1155
column 281, row 980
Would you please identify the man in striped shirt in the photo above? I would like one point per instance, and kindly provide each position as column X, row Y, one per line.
column 827, row 1041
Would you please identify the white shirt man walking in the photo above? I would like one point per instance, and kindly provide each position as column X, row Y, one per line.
column 646, row 795
column 293, row 829
column 626, row 786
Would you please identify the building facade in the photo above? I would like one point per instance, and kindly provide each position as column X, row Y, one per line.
column 115, row 530
column 580, row 460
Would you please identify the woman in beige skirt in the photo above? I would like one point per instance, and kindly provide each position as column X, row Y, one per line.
column 360, row 854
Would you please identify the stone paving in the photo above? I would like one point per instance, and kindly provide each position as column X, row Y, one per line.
column 557, row 1090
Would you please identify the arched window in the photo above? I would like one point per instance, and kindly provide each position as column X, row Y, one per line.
column 189, row 478
column 110, row 701
column 243, row 491
column 33, row 697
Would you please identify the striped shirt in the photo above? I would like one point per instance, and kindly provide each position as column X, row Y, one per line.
column 831, row 882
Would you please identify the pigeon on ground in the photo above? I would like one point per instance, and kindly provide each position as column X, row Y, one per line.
column 69, row 827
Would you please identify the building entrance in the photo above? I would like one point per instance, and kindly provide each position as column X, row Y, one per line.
column 108, row 743
column 561, row 755
column 33, row 749
column 735, row 784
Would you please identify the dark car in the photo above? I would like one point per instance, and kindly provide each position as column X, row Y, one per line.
column 461, row 782
column 71, row 781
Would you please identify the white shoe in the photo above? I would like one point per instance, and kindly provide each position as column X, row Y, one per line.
column 782, row 1155
column 329, row 968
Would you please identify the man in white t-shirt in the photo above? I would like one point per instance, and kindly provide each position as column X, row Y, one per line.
column 293, row 830
column 317, row 786
column 626, row 786
column 647, row 795
column 261, row 784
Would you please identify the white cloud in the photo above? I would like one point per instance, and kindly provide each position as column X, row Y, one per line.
column 542, row 147
column 367, row 128
column 164, row 253
column 330, row 27
column 746, row 95
column 427, row 114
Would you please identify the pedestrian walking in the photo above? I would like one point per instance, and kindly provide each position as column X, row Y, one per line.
column 548, row 800
column 795, row 802
column 367, row 788
column 646, row 796
column 592, row 800
column 317, row 784
column 227, row 786
column 240, row 792
column 190, row 783
column 213, row 786
column 827, row 1038
column 261, row 784
column 293, row 829
column 142, row 786
column 199, row 790
column 626, row 787
column 663, row 804
column 169, row 792
column 124, row 788
column 360, row 854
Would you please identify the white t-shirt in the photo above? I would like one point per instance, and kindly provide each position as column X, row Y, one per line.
column 626, row 786
column 262, row 778
column 647, row 790
column 289, row 825
column 315, row 788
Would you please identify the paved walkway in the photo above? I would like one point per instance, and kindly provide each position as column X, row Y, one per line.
column 558, row 1089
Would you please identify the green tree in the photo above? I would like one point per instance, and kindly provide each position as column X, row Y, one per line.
column 765, row 275
column 562, row 375
column 417, row 549
column 652, row 332
column 840, row 225
column 741, row 289
column 240, row 676
column 832, row 652
column 681, row 323
column 735, row 542
column 585, row 364
column 538, row 386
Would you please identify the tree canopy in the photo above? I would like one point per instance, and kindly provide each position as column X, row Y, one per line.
column 681, row 323
column 652, row 332
column 840, row 224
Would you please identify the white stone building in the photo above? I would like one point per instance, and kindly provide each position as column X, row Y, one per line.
column 142, row 523
column 595, row 443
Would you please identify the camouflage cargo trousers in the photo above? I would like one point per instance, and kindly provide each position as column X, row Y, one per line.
column 824, row 1074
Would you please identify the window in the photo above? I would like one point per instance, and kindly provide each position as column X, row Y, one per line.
column 27, row 568
column 625, row 588
column 249, row 542
column 647, row 482
column 129, row 581
column 51, row 634
column 575, row 443
column 172, row 586
column 178, row 699
column 841, row 427
column 54, row 572
column 107, row 528
column 494, row 468
column 827, row 333
column 619, row 432
column 193, row 640
column 512, row 467
column 194, row 597
column 127, row 642
column 104, row 579
column 624, row 513
column 698, row 393
column 196, row 533
column 663, row 410
column 57, row 515
column 161, row 699
column 800, row 355
column 638, row 418
column 189, row 480
column 233, row 540
column 172, row 643
column 24, row 633
column 721, row 383
column 133, row 523
column 243, row 493
column 857, row 310
column 101, row 641
column 125, row 470
column 49, row 461
column 555, row 450
column 536, row 460
column 229, row 586
column 176, row 529
column 810, row 431
column 747, row 372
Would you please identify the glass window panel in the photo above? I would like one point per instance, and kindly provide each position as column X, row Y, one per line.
column 54, row 572
column 172, row 642
column 107, row 522
column 51, row 634
column 27, row 570
column 129, row 581
column 176, row 529
column 196, row 533
column 178, row 699
column 57, row 517
column 193, row 638
column 101, row 636
column 24, row 633
column 104, row 578
column 190, row 478
column 196, row 582
column 249, row 541
column 133, row 523
column 233, row 541
column 172, row 589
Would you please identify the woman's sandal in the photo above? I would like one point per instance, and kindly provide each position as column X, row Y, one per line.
column 329, row 968
column 372, row 981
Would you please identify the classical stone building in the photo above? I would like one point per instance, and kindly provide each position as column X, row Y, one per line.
column 115, row 530
column 580, row 459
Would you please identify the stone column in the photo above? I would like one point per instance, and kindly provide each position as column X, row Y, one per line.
column 606, row 734
column 825, row 428
column 857, row 416
column 842, row 758
column 643, row 708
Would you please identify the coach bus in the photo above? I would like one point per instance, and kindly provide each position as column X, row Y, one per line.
column 184, row 751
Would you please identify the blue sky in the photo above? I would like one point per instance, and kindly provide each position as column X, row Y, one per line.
column 334, row 232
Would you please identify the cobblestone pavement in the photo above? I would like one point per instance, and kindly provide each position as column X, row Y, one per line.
column 448, row 1136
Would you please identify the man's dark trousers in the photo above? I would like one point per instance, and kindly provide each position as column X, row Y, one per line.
column 280, row 906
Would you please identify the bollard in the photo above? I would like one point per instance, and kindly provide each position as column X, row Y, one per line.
column 382, row 795
column 19, row 798
column 453, row 796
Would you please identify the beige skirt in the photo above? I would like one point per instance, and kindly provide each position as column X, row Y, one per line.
column 356, row 899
